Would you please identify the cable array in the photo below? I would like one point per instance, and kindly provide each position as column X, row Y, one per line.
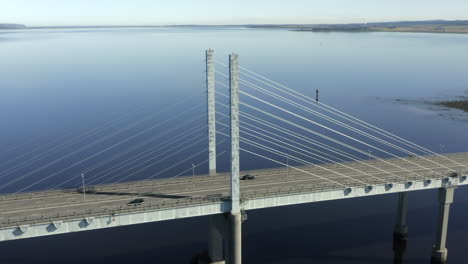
column 119, row 138
column 272, row 115
column 278, row 125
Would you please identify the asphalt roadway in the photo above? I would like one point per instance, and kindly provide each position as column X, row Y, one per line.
column 340, row 175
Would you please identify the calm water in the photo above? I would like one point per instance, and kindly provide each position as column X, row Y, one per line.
column 58, row 84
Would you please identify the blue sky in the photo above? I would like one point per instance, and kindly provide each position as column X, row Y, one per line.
column 157, row 12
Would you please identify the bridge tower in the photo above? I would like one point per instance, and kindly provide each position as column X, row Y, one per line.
column 235, row 217
column 211, row 111
column 225, row 228
column 217, row 223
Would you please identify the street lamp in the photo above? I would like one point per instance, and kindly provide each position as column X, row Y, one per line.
column 84, row 189
column 193, row 175
column 442, row 148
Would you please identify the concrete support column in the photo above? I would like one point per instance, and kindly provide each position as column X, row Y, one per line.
column 401, row 227
column 236, row 238
column 439, row 253
column 400, row 234
column 225, row 239
column 228, row 245
column 217, row 230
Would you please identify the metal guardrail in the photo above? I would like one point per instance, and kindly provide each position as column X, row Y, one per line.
column 314, row 188
column 110, row 211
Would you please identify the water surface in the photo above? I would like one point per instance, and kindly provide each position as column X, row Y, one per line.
column 56, row 84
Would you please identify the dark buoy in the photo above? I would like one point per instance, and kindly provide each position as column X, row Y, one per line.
column 316, row 95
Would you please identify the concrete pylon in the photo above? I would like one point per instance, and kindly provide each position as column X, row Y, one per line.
column 211, row 110
column 236, row 216
column 217, row 223
column 228, row 228
column 234, row 114
column 439, row 253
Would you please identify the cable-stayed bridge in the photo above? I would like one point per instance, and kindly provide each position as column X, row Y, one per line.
column 313, row 152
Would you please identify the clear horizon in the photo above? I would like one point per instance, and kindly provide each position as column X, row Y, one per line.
column 210, row 12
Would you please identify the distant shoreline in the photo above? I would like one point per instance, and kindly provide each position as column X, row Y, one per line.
column 433, row 26
column 396, row 30
column 12, row 26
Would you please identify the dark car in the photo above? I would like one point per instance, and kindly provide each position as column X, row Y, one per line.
column 248, row 177
column 137, row 201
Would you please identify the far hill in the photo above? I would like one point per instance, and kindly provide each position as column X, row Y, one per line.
column 431, row 26
column 11, row 26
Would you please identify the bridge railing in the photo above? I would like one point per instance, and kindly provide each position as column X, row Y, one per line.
column 321, row 187
column 110, row 211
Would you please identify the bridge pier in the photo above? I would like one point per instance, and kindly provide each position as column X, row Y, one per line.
column 401, row 227
column 439, row 253
column 217, row 233
column 236, row 238
column 225, row 239
column 400, row 234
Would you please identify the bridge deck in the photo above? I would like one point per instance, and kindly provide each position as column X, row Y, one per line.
column 29, row 208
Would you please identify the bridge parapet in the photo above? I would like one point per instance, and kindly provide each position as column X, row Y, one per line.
column 110, row 211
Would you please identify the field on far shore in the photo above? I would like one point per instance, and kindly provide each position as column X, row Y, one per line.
column 434, row 26
column 459, row 104
column 434, row 29
column 409, row 29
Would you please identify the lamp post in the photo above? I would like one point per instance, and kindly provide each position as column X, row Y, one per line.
column 442, row 146
column 84, row 189
column 193, row 175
